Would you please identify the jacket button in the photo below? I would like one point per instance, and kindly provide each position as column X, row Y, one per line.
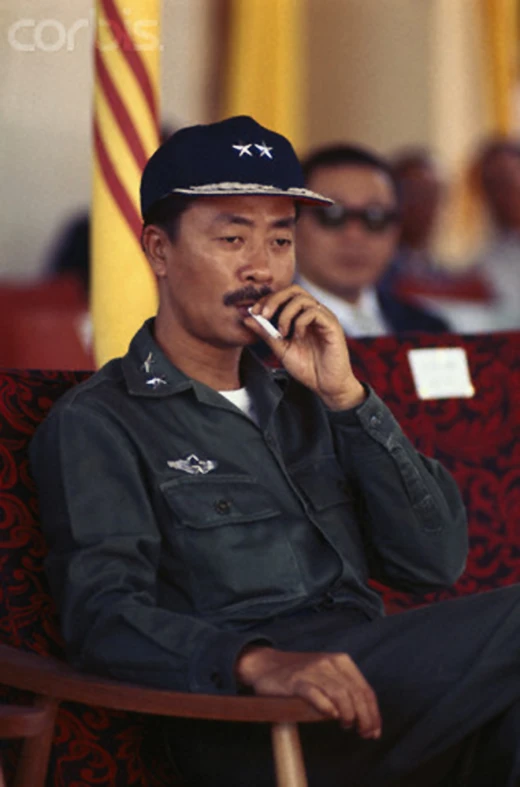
column 222, row 506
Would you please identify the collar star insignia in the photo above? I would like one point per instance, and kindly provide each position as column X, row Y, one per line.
column 244, row 150
column 155, row 382
column 264, row 150
column 148, row 363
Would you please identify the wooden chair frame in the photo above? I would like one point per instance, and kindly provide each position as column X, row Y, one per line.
column 53, row 682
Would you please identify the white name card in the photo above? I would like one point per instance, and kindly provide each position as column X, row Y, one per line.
column 441, row 372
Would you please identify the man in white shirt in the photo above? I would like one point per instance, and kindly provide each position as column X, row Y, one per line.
column 344, row 249
column 498, row 262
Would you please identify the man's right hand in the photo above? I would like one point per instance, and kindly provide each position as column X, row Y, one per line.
column 329, row 681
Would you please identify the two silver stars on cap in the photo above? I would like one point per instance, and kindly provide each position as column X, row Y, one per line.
column 245, row 150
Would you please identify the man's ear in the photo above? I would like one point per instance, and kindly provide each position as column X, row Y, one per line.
column 156, row 244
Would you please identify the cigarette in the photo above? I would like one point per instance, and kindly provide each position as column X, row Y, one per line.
column 268, row 327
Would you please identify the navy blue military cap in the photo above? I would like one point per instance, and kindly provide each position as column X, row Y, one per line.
column 234, row 157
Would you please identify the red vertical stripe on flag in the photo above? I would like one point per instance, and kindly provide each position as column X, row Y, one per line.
column 117, row 189
column 121, row 114
column 129, row 51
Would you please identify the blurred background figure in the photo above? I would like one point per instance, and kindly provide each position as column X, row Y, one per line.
column 344, row 250
column 468, row 294
column 497, row 175
column 71, row 254
column 421, row 189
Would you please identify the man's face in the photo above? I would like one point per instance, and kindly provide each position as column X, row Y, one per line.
column 229, row 252
column 501, row 182
column 345, row 259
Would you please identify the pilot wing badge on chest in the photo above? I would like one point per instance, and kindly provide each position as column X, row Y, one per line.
column 193, row 465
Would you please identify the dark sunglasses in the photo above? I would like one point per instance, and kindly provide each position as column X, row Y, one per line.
column 374, row 218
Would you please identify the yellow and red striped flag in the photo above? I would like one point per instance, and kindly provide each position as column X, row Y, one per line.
column 126, row 133
column 265, row 74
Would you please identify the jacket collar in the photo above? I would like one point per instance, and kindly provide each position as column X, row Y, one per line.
column 147, row 370
column 149, row 373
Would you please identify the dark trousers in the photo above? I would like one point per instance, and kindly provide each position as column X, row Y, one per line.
column 447, row 678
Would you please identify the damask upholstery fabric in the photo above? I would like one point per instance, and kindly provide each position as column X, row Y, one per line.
column 478, row 439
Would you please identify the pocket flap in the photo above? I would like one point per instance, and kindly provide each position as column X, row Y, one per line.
column 323, row 484
column 219, row 500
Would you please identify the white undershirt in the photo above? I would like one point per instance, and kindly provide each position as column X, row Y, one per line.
column 242, row 399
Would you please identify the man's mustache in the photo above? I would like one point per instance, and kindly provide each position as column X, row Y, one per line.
column 248, row 293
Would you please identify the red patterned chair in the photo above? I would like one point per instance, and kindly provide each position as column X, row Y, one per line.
column 97, row 742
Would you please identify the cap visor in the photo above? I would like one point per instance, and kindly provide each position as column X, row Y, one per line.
column 255, row 189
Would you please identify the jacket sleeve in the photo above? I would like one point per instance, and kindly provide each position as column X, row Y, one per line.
column 413, row 518
column 104, row 555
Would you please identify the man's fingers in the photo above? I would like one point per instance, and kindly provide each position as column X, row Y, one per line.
column 374, row 712
column 331, row 682
column 345, row 702
column 306, row 317
column 317, row 697
column 368, row 721
column 368, row 717
column 271, row 303
column 350, row 696
column 294, row 310
column 339, row 679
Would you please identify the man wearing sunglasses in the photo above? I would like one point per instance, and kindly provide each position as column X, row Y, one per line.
column 344, row 249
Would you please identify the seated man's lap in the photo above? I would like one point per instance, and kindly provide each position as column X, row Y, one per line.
column 440, row 673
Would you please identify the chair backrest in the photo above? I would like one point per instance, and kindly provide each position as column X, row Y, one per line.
column 45, row 325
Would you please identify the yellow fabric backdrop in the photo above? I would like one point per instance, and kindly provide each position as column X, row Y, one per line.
column 500, row 17
column 125, row 135
column 265, row 75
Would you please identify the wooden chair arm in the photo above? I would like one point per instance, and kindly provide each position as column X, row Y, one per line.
column 53, row 682
column 48, row 677
column 20, row 721
column 35, row 725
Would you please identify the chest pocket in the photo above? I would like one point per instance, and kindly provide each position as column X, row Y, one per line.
column 218, row 501
column 332, row 503
column 231, row 536
column 322, row 484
